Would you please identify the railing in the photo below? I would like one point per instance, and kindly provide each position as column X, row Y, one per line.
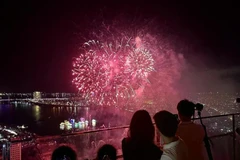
column 232, row 134
column 86, row 143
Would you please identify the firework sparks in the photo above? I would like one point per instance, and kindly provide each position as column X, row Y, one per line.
column 126, row 65
column 109, row 72
column 139, row 64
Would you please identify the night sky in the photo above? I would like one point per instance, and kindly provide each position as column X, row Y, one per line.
column 39, row 40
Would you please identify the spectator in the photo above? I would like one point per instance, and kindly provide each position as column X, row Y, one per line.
column 238, row 131
column 140, row 141
column 107, row 152
column 64, row 152
column 174, row 148
column 192, row 134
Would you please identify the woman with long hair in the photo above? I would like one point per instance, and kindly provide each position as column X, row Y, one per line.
column 139, row 144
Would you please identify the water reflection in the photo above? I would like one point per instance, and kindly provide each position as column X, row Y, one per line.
column 37, row 112
column 46, row 120
column 75, row 110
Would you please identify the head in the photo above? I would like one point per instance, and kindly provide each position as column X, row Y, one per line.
column 166, row 123
column 141, row 127
column 185, row 110
column 64, row 152
column 107, row 152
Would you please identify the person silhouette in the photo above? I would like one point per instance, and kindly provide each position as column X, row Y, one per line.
column 139, row 144
column 64, row 153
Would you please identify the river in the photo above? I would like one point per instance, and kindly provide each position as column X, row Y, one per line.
column 45, row 120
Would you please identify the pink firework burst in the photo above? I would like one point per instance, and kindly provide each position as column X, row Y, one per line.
column 89, row 78
column 139, row 64
column 110, row 73
column 126, row 64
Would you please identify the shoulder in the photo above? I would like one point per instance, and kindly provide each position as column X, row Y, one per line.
column 125, row 140
column 166, row 157
column 199, row 128
column 197, row 125
column 192, row 126
column 126, row 143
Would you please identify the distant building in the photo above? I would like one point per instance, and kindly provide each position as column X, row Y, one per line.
column 15, row 151
column 37, row 95
column 5, row 151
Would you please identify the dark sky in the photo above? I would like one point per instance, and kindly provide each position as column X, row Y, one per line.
column 38, row 40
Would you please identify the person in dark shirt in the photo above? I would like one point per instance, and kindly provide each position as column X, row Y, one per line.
column 139, row 144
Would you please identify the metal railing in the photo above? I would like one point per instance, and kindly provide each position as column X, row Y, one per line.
column 233, row 134
column 75, row 139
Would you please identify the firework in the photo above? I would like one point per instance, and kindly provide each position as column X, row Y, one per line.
column 106, row 73
column 124, row 65
column 139, row 64
column 89, row 78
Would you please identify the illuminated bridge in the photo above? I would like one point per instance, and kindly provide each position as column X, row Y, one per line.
column 35, row 100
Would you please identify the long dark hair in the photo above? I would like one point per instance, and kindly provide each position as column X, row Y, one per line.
column 141, row 127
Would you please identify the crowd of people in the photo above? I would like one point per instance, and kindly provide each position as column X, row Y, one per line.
column 182, row 138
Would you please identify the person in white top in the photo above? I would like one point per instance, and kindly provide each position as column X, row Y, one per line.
column 191, row 133
column 174, row 148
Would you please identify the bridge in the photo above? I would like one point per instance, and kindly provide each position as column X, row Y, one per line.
column 63, row 102
column 34, row 100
